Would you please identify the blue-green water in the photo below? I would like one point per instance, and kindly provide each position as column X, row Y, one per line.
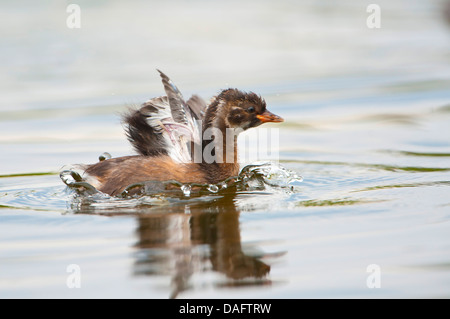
column 367, row 127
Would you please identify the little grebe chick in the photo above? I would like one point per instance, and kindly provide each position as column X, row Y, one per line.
column 187, row 141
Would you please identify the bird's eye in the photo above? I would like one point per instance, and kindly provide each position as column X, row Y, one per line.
column 251, row 109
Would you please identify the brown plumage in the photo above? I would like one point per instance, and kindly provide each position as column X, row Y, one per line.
column 174, row 145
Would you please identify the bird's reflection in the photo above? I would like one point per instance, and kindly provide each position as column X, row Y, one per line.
column 182, row 240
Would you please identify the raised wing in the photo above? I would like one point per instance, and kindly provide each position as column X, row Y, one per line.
column 166, row 125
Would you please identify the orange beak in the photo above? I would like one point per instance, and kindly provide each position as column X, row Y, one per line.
column 269, row 117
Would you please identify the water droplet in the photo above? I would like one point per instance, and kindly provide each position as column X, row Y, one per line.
column 104, row 156
column 186, row 189
column 213, row 188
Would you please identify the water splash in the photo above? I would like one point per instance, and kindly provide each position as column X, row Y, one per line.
column 273, row 175
column 73, row 179
column 69, row 177
column 213, row 188
column 267, row 176
column 186, row 189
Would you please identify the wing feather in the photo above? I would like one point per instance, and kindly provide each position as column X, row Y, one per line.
column 167, row 125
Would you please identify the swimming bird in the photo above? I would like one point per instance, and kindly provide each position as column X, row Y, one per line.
column 186, row 141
